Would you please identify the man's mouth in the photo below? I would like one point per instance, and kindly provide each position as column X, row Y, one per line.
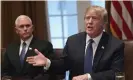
column 89, row 27
column 25, row 33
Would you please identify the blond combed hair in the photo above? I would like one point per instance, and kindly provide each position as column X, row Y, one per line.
column 99, row 11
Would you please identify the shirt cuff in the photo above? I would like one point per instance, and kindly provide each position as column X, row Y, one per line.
column 47, row 64
column 89, row 77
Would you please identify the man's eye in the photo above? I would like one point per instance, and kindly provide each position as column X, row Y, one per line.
column 21, row 26
column 94, row 18
column 87, row 18
column 27, row 25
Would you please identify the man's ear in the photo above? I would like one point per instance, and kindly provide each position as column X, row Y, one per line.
column 105, row 26
column 15, row 29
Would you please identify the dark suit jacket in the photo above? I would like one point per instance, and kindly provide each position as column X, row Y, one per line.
column 11, row 65
column 107, row 60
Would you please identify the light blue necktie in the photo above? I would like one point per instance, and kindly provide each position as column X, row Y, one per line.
column 22, row 55
column 88, row 57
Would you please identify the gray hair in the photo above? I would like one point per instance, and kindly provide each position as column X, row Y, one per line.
column 22, row 16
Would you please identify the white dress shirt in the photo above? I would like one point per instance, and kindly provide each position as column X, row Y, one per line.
column 28, row 41
column 94, row 46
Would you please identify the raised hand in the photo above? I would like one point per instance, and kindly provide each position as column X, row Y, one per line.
column 38, row 60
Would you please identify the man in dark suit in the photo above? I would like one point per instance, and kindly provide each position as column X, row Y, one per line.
column 15, row 64
column 90, row 55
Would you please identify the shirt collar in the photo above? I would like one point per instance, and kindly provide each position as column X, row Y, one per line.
column 27, row 41
column 96, row 39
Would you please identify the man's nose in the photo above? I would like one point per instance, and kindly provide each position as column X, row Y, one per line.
column 90, row 20
column 25, row 27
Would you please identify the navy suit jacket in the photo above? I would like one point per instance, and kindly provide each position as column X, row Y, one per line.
column 107, row 60
column 11, row 65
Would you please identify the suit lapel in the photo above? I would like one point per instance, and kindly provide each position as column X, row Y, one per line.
column 16, row 56
column 100, row 50
column 82, row 44
column 30, row 52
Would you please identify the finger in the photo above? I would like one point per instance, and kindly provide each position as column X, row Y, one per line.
column 32, row 62
column 37, row 52
column 74, row 78
column 29, row 58
column 77, row 78
column 35, row 64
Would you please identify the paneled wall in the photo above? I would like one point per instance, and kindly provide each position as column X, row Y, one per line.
column 11, row 9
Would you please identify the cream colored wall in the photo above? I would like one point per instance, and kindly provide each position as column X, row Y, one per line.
column 81, row 8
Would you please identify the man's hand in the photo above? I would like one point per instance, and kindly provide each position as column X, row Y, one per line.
column 6, row 78
column 81, row 77
column 38, row 60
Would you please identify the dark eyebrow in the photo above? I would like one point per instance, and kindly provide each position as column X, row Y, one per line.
column 27, row 25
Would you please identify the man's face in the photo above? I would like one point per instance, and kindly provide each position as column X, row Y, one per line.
column 93, row 24
column 24, row 28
